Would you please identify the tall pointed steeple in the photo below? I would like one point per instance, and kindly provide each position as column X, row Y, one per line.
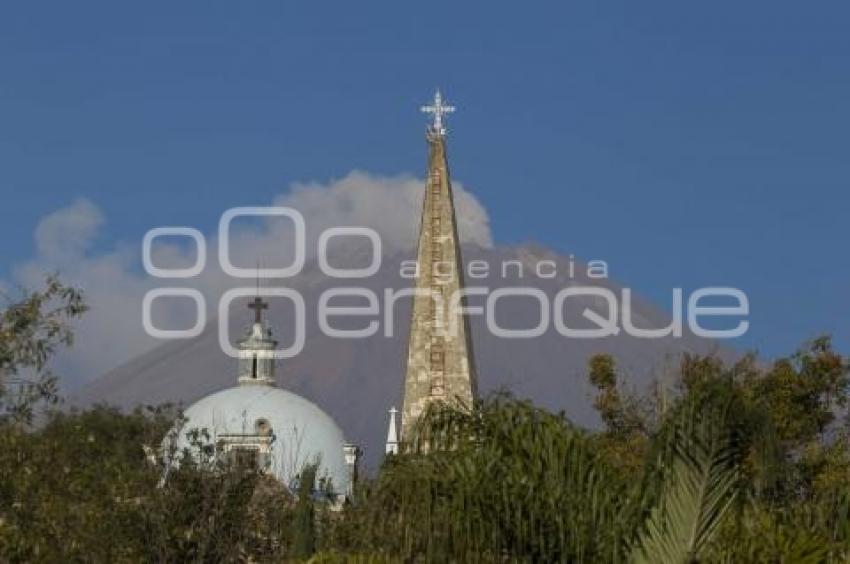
column 440, row 360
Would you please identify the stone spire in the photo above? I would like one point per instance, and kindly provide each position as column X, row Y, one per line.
column 440, row 361
column 392, row 433
column 256, row 350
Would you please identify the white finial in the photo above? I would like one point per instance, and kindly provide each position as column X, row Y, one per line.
column 392, row 434
column 438, row 109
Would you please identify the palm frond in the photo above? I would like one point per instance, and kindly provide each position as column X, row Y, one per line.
column 700, row 468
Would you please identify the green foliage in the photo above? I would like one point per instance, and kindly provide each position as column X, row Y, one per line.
column 698, row 464
column 627, row 418
column 304, row 527
column 740, row 463
column 80, row 489
column 792, row 461
column 504, row 478
column 32, row 326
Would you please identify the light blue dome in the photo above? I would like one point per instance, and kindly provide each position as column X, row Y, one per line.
column 288, row 431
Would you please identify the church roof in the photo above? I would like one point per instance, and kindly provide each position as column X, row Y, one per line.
column 303, row 433
column 285, row 431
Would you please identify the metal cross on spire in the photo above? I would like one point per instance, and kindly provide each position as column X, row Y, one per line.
column 439, row 109
column 258, row 305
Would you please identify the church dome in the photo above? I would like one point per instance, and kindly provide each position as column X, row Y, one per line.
column 285, row 431
column 259, row 424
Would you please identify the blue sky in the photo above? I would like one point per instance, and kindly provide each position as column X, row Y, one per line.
column 687, row 144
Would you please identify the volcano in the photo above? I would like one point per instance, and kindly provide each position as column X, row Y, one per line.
column 357, row 380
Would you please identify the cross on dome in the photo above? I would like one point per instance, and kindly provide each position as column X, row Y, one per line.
column 258, row 305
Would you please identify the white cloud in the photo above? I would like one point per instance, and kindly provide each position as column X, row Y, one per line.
column 66, row 234
column 114, row 283
column 389, row 205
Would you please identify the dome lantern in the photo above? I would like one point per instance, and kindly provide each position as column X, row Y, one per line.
column 256, row 350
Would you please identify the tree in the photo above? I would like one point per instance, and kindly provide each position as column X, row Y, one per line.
column 746, row 463
column 699, row 453
column 627, row 418
column 31, row 329
column 304, row 526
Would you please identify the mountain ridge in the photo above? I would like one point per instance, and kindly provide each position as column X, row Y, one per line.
column 357, row 381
